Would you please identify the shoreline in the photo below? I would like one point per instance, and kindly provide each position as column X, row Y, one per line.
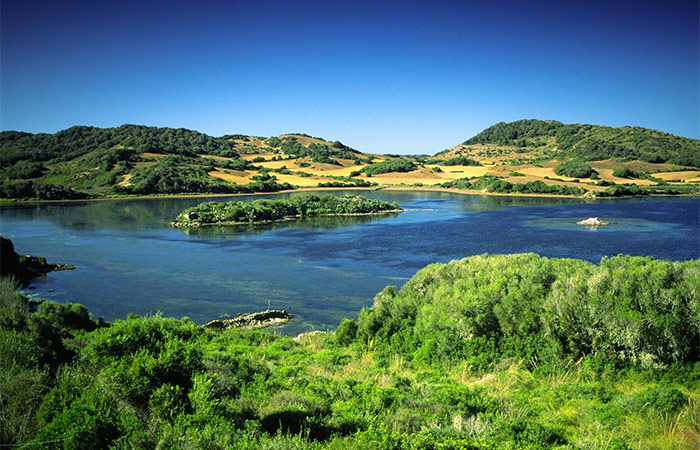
column 321, row 189
column 284, row 219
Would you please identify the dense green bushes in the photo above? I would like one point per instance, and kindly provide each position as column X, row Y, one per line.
column 624, row 172
column 28, row 189
column 78, row 141
column 267, row 210
column 575, row 169
column 628, row 311
column 490, row 352
column 390, row 165
column 490, row 183
column 595, row 142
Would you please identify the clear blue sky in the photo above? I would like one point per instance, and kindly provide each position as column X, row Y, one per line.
column 384, row 77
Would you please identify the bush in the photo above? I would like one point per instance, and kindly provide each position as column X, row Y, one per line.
column 346, row 332
column 392, row 165
column 624, row 172
column 575, row 169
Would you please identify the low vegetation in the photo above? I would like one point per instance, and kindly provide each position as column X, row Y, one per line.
column 575, row 169
column 212, row 213
column 497, row 185
column 392, row 165
column 490, row 352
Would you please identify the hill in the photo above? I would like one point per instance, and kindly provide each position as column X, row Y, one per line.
column 610, row 161
column 593, row 142
column 523, row 157
column 131, row 159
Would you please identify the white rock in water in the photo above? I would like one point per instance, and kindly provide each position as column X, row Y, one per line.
column 592, row 221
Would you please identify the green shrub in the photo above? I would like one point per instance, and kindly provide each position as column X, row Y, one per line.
column 391, row 165
column 346, row 332
column 575, row 169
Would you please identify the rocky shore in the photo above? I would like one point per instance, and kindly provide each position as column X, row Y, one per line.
column 24, row 268
column 261, row 319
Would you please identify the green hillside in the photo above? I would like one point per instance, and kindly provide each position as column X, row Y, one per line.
column 593, row 142
column 527, row 156
column 132, row 159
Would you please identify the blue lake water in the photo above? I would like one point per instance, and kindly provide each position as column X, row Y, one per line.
column 129, row 259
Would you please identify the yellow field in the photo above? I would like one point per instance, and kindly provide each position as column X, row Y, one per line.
column 499, row 161
column 233, row 176
column 683, row 176
column 300, row 181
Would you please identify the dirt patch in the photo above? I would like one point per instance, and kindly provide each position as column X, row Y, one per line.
column 233, row 176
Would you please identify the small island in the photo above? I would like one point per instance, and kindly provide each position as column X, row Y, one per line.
column 592, row 222
column 262, row 319
column 266, row 210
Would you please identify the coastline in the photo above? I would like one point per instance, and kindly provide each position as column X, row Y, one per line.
column 177, row 224
column 327, row 189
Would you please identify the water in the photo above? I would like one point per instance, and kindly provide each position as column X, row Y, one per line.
column 129, row 259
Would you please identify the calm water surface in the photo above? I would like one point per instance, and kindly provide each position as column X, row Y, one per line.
column 129, row 259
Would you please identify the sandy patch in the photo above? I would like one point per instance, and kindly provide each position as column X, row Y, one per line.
column 685, row 176
column 297, row 180
column 252, row 156
column 152, row 155
column 217, row 158
column 125, row 181
column 233, row 176
column 607, row 175
column 141, row 164
column 455, row 172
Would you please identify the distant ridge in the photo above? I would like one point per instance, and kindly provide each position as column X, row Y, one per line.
column 593, row 142
column 526, row 156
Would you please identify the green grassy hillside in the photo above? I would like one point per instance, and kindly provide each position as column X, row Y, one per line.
column 132, row 159
column 593, row 142
column 527, row 156
column 490, row 352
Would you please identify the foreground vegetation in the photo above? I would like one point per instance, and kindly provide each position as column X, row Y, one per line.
column 212, row 213
column 489, row 352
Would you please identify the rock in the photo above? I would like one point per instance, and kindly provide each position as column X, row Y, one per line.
column 24, row 268
column 301, row 336
column 261, row 319
column 592, row 222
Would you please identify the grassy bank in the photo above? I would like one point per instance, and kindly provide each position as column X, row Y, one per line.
column 490, row 352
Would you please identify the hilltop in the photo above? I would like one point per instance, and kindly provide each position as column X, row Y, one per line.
column 527, row 156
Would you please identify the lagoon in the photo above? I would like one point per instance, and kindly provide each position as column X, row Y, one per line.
column 129, row 259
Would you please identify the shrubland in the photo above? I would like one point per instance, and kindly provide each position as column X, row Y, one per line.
column 489, row 352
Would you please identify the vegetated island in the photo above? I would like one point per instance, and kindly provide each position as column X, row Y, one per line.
column 488, row 352
column 266, row 210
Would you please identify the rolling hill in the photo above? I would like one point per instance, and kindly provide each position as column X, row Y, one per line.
column 527, row 156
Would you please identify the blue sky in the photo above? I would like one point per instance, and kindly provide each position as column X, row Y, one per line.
column 383, row 77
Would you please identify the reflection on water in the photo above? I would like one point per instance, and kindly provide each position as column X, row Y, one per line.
column 323, row 222
column 129, row 258
column 616, row 225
